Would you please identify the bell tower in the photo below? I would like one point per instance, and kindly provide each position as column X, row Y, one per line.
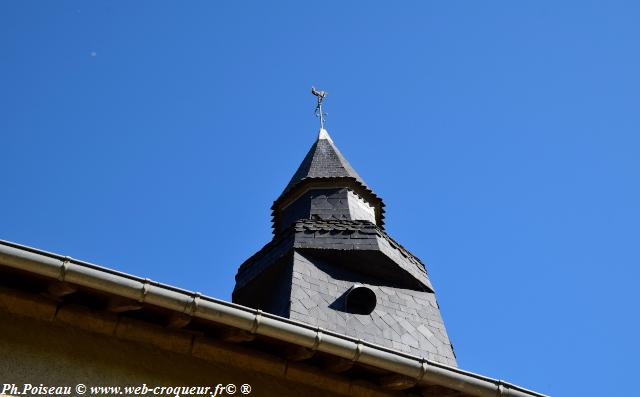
column 332, row 265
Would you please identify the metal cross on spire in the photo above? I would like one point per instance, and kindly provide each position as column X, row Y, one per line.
column 319, row 113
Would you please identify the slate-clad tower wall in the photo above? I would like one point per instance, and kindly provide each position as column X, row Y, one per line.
column 398, row 320
column 332, row 265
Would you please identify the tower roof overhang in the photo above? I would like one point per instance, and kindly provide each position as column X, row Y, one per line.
column 306, row 184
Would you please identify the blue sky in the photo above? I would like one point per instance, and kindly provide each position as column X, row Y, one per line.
column 152, row 137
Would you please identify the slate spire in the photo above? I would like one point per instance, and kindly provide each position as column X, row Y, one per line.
column 323, row 160
column 324, row 166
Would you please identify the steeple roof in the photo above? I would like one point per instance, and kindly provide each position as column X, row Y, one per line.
column 325, row 166
column 324, row 160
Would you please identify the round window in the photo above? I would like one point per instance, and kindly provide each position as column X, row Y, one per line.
column 360, row 300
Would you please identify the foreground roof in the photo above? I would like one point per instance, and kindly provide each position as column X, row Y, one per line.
column 62, row 277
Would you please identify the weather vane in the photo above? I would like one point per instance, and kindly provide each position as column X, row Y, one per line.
column 319, row 113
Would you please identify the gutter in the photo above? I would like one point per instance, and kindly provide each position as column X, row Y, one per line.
column 423, row 371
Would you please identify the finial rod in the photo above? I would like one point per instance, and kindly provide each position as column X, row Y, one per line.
column 320, row 97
